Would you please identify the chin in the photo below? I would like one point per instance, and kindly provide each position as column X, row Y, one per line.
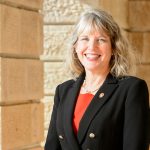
column 92, row 69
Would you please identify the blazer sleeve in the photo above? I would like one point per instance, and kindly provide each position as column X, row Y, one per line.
column 52, row 141
column 136, row 117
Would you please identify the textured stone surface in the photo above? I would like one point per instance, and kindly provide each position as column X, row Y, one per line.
column 118, row 9
column 0, row 129
column 21, row 122
column 32, row 4
column 20, row 32
column 64, row 11
column 143, row 72
column 56, row 39
column 21, row 75
column 95, row 3
column 139, row 16
column 141, row 42
column 22, row 80
column 146, row 47
column 129, row 14
column 53, row 75
column 48, row 106
column 36, row 148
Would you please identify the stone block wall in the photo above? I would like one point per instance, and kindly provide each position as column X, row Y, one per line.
column 139, row 34
column 21, row 75
column 59, row 17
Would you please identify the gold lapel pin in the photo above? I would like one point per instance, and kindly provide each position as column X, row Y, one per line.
column 101, row 95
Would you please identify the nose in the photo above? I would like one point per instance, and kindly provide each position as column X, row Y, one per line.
column 92, row 44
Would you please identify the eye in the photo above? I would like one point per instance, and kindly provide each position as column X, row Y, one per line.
column 101, row 40
column 84, row 39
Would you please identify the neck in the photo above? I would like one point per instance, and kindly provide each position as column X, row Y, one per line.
column 94, row 78
column 93, row 82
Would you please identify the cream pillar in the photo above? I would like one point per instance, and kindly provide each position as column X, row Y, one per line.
column 21, row 75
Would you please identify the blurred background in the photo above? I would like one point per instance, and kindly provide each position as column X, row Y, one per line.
column 34, row 36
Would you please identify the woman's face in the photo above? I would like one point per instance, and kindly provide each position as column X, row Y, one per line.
column 94, row 51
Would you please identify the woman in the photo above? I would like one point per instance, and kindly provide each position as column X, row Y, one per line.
column 102, row 108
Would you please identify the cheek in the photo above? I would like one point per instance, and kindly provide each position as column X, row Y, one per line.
column 107, row 54
column 80, row 55
column 108, row 50
column 80, row 47
column 79, row 51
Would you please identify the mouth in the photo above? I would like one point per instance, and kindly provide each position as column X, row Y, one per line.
column 92, row 56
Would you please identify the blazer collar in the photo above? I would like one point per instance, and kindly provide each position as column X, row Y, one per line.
column 98, row 101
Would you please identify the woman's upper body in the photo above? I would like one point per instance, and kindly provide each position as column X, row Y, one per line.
column 116, row 117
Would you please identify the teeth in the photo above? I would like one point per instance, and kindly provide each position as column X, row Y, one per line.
column 92, row 56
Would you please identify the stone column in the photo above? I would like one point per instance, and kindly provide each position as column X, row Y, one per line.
column 21, row 75
column 139, row 34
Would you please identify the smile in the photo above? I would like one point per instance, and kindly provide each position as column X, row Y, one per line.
column 92, row 56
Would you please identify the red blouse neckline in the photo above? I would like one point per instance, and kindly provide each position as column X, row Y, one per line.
column 82, row 103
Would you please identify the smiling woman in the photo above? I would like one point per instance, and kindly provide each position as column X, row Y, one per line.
column 102, row 107
column 94, row 51
column 107, row 31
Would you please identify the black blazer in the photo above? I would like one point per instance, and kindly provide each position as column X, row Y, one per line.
column 116, row 119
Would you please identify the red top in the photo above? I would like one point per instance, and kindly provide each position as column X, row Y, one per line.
column 81, row 105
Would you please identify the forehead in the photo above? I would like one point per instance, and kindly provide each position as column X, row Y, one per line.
column 90, row 27
column 94, row 33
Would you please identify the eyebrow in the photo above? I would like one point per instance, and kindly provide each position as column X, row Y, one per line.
column 102, row 36
column 83, row 35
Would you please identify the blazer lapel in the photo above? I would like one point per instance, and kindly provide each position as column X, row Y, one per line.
column 69, row 105
column 98, row 101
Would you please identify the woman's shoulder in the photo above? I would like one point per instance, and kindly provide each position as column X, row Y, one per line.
column 131, row 80
column 67, row 83
column 65, row 86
